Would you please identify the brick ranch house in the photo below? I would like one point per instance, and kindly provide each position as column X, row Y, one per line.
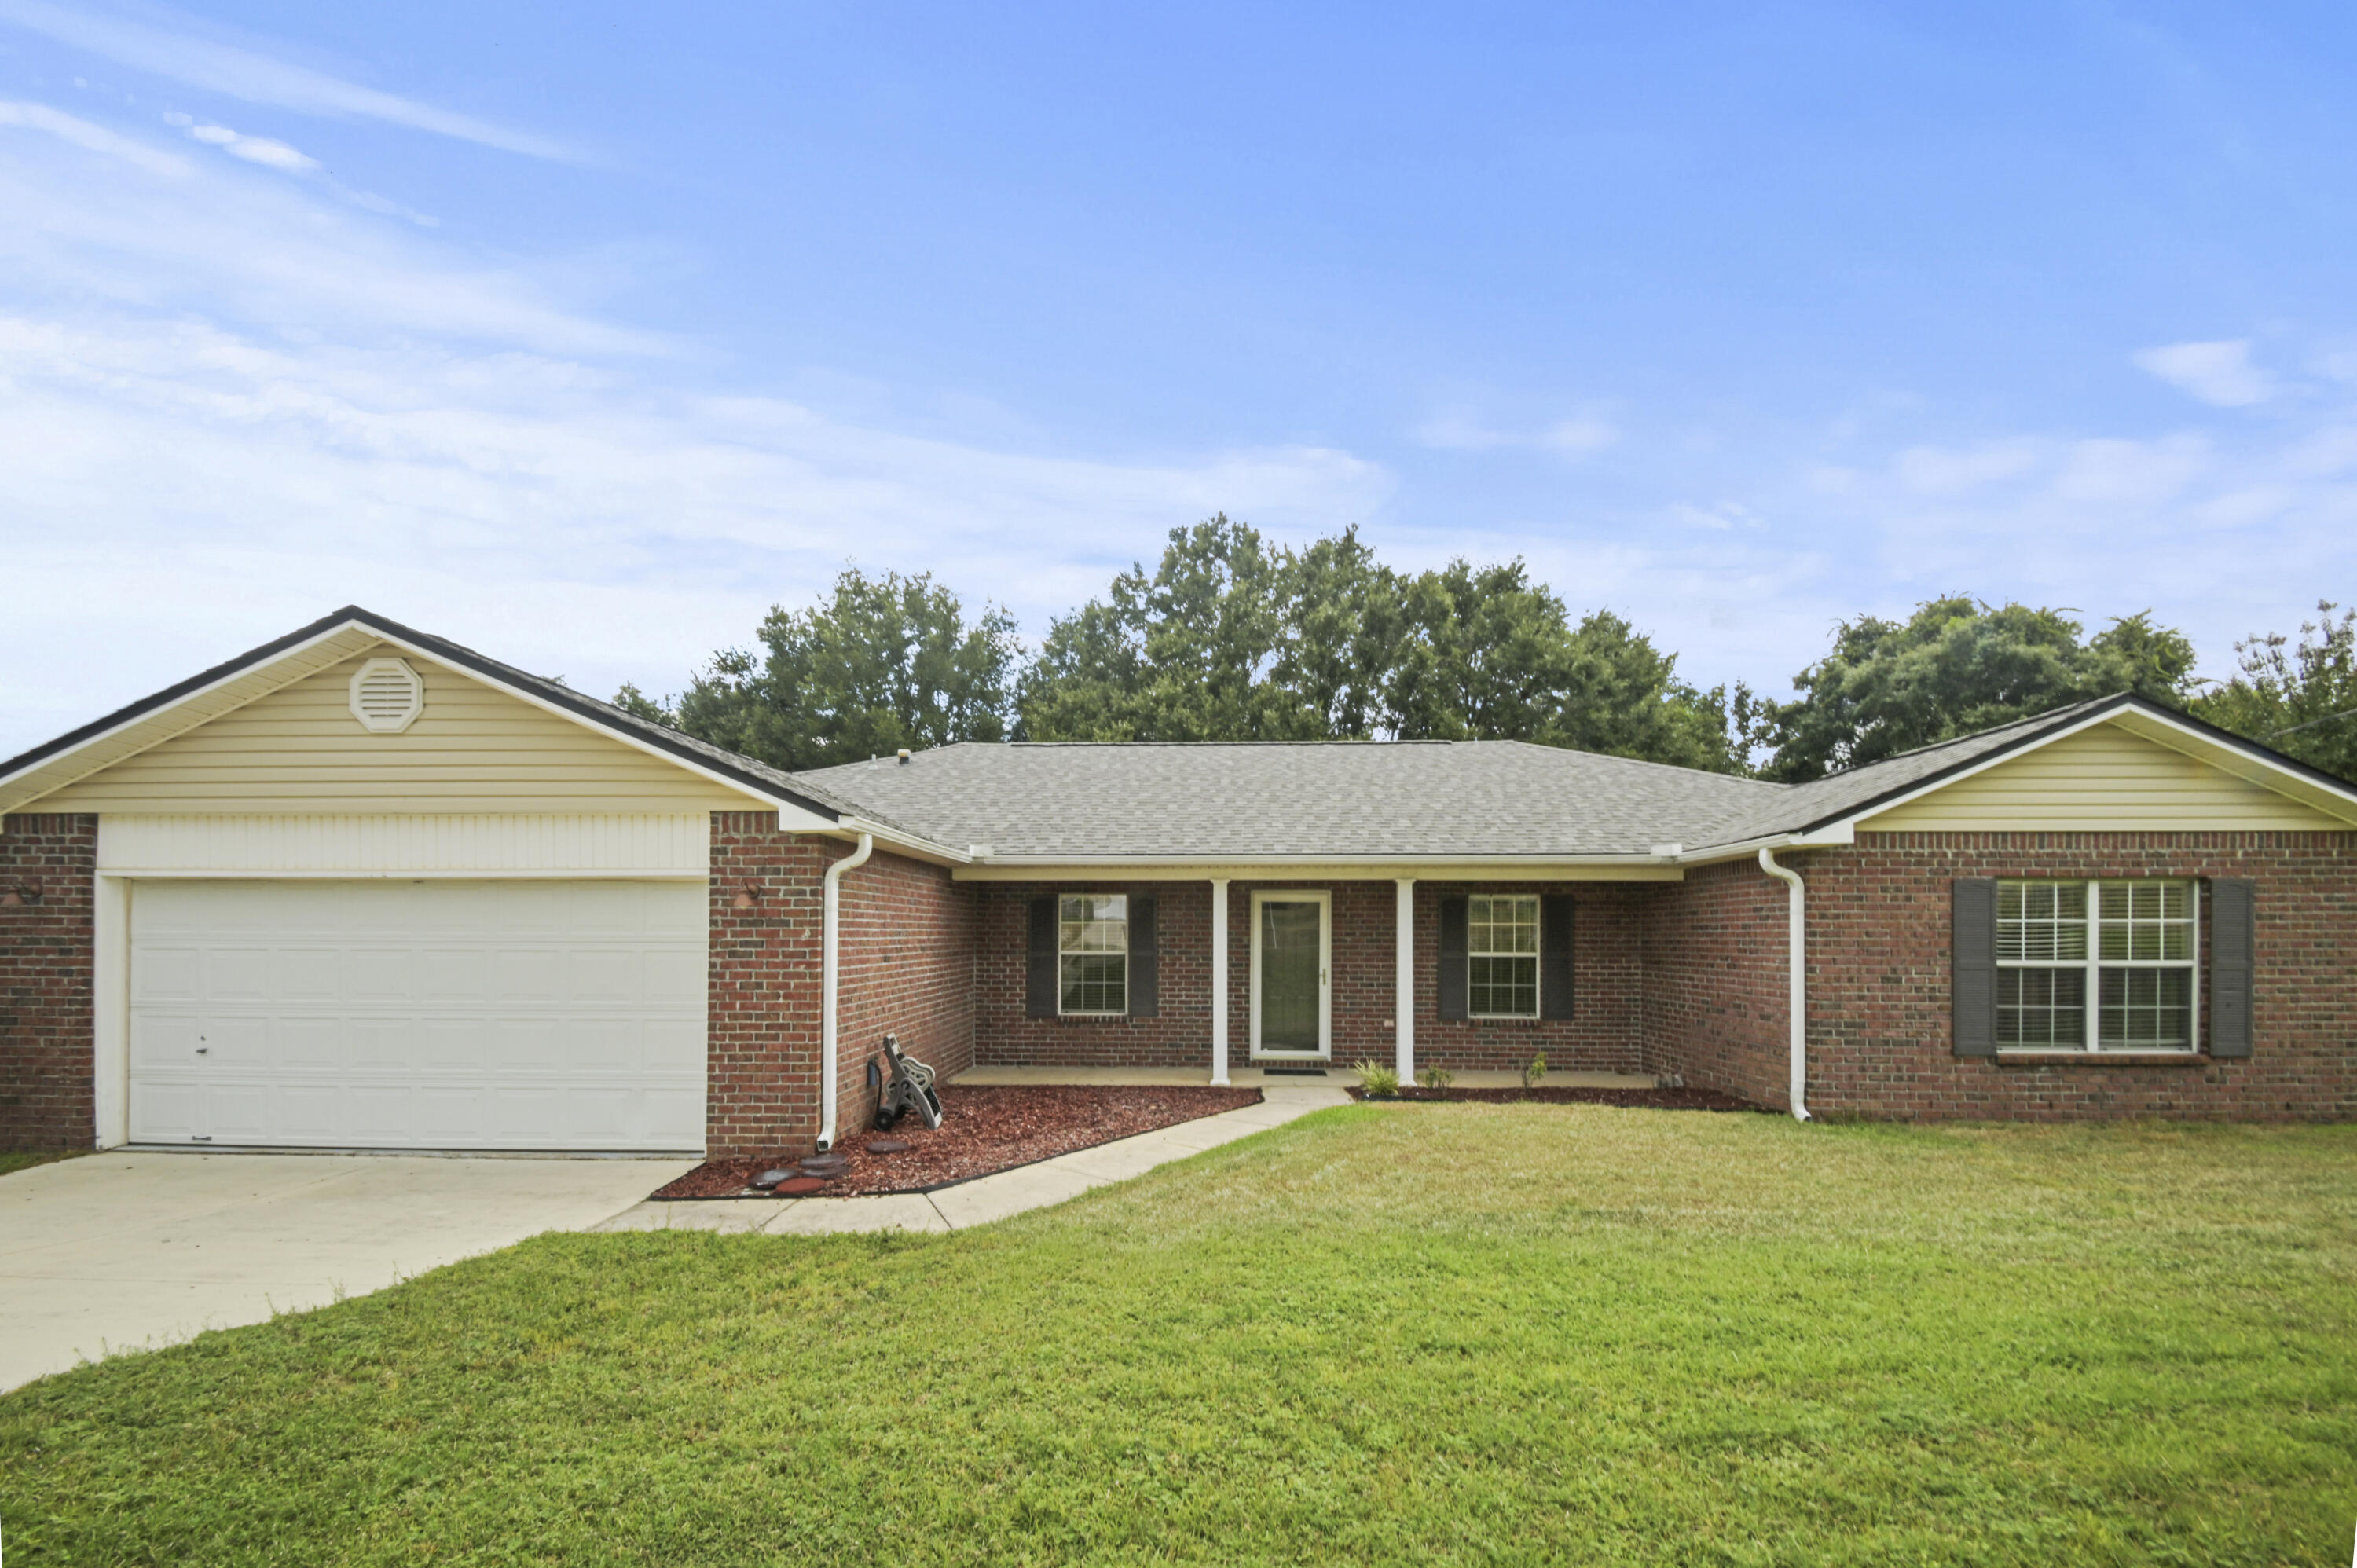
column 364, row 889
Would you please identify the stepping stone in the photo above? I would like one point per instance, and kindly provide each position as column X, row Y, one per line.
column 887, row 1146
column 799, row 1186
column 771, row 1178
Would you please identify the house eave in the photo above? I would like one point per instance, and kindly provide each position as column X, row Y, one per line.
column 1319, row 867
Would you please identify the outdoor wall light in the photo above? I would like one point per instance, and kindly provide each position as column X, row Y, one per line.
column 21, row 893
column 747, row 897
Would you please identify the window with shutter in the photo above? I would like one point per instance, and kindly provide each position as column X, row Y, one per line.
column 2095, row 966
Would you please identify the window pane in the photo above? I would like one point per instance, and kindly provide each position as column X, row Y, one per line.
column 2147, row 922
column 1094, row 922
column 2041, row 1007
column 1503, row 986
column 1096, row 982
column 2041, row 923
column 1502, row 925
column 2146, row 1009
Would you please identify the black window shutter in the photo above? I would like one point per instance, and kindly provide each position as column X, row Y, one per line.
column 1039, row 990
column 2233, row 947
column 1555, row 955
column 1973, row 944
column 1145, row 959
column 1452, row 960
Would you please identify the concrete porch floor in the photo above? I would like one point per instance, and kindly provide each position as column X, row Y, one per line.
column 1337, row 1076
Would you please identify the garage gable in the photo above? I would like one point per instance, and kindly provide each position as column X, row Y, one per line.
column 471, row 747
column 2125, row 775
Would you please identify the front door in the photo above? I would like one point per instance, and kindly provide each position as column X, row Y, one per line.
column 1292, row 946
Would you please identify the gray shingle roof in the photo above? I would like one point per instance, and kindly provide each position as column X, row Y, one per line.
column 1353, row 798
column 1798, row 807
column 1469, row 799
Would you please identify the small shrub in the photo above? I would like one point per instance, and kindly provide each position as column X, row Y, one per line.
column 1380, row 1082
column 1437, row 1080
column 1533, row 1070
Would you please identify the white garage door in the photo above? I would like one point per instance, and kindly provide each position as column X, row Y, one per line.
column 430, row 1015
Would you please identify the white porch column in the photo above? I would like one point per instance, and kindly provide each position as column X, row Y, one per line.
column 1404, row 1004
column 1220, row 981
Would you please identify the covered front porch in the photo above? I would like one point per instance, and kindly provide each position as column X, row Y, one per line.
column 1301, row 977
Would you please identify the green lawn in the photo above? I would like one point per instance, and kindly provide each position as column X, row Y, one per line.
column 1462, row 1333
column 15, row 1160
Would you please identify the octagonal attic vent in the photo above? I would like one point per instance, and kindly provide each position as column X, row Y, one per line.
column 387, row 695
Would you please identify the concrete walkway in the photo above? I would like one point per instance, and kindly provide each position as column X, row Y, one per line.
column 985, row 1199
column 1337, row 1076
column 120, row 1250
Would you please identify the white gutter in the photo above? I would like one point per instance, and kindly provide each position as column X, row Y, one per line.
column 1797, row 984
column 828, row 984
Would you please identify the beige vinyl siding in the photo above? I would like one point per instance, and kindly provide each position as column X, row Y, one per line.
column 179, row 718
column 2102, row 779
column 474, row 750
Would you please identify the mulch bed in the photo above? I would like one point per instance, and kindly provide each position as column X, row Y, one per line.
column 984, row 1128
column 1647, row 1099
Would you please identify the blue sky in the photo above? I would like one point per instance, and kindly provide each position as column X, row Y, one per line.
column 584, row 334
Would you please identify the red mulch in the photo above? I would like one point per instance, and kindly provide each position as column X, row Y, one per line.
column 1646, row 1098
column 987, row 1128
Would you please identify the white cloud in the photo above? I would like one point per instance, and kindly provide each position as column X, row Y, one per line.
column 185, row 55
column 2220, row 373
column 91, row 138
column 1459, row 430
column 255, row 149
column 1577, row 436
column 1938, row 471
column 232, row 405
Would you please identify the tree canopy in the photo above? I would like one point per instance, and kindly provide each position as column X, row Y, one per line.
column 1232, row 639
column 1958, row 665
column 883, row 663
column 2297, row 697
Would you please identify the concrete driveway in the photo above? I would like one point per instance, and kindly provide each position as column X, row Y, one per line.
column 116, row 1252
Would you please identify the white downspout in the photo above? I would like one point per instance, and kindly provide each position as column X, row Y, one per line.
column 1796, row 985
column 828, row 983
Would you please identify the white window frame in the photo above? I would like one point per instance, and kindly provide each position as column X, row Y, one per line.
column 1538, row 948
column 1063, row 952
column 2094, row 964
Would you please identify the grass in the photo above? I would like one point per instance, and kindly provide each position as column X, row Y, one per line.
column 15, row 1160
column 1460, row 1332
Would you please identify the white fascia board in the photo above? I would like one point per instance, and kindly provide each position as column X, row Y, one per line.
column 178, row 704
column 1834, row 837
column 2234, row 758
column 913, row 845
column 791, row 818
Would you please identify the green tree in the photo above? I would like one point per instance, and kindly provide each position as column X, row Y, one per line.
column 1958, row 665
column 883, row 663
column 1186, row 654
column 1489, row 655
column 2300, row 698
column 1233, row 638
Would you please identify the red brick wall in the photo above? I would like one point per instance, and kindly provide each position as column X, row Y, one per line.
column 1713, row 953
column 1180, row 1036
column 762, row 1010
column 907, row 951
column 47, row 947
column 1602, row 1034
column 1880, row 1009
